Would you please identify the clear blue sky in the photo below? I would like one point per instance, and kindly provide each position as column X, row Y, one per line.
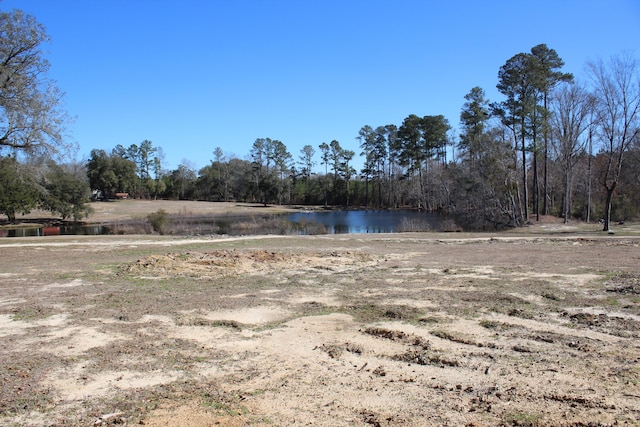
column 192, row 75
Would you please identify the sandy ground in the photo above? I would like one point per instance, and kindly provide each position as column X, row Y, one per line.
column 368, row 330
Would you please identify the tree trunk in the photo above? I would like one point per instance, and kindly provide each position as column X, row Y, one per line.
column 366, row 191
column 536, row 178
column 567, row 194
column 423, row 195
column 536, row 185
column 587, row 215
column 607, row 209
column 545, row 190
column 525, row 194
column 513, row 209
column 379, row 191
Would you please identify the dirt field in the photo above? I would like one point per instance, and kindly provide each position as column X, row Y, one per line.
column 534, row 328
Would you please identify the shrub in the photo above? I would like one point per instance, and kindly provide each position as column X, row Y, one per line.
column 413, row 225
column 158, row 220
column 449, row 225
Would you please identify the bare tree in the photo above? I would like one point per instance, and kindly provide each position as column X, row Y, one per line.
column 571, row 106
column 617, row 94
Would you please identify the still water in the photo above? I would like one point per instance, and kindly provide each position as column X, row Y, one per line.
column 333, row 222
column 369, row 221
column 53, row 231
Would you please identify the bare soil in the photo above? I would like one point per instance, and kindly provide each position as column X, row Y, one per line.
column 538, row 327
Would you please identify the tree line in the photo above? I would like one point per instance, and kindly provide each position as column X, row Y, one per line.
column 552, row 146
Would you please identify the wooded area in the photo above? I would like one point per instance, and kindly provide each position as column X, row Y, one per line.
column 553, row 146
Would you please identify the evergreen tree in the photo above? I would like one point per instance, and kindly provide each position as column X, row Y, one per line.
column 66, row 191
column 19, row 193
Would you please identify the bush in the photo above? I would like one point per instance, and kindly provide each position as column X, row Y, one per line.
column 449, row 226
column 158, row 220
column 413, row 225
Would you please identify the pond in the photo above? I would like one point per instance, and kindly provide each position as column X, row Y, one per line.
column 369, row 221
column 304, row 222
column 53, row 231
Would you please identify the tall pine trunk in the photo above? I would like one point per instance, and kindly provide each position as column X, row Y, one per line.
column 525, row 194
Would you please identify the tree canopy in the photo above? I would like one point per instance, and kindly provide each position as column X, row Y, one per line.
column 31, row 118
column 542, row 144
column 18, row 188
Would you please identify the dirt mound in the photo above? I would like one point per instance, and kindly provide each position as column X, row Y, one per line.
column 235, row 262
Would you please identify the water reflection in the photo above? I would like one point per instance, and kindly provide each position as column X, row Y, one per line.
column 333, row 222
column 90, row 230
column 369, row 221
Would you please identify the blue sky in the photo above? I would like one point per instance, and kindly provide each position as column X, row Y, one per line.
column 192, row 75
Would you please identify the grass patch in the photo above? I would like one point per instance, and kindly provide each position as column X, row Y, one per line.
column 199, row 321
column 431, row 319
column 446, row 335
column 392, row 335
column 524, row 419
column 37, row 312
column 20, row 389
column 551, row 296
column 495, row 325
column 224, row 405
column 424, row 358
column 370, row 312
column 336, row 350
column 521, row 313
